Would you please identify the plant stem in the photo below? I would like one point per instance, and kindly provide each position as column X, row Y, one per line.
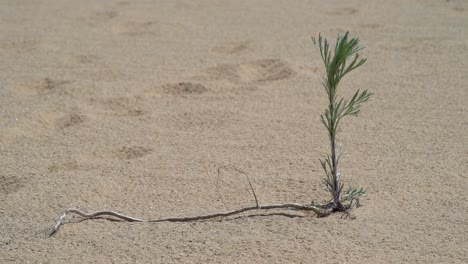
column 336, row 191
column 332, row 131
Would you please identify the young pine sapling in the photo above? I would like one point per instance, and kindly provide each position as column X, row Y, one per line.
column 344, row 59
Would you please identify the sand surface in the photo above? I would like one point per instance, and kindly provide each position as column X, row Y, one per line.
column 133, row 105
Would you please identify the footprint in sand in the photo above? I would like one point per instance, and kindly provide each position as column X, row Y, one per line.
column 260, row 71
column 70, row 120
column 120, row 106
column 133, row 152
column 235, row 48
column 82, row 59
column 122, row 153
column 43, row 86
column 10, row 184
column 135, row 28
column 99, row 17
column 184, row 88
column 458, row 9
column 342, row 11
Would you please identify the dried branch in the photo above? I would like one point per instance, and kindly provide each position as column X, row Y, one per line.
column 320, row 212
column 239, row 171
column 250, row 184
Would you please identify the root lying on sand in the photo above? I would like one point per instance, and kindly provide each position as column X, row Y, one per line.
column 61, row 220
column 319, row 210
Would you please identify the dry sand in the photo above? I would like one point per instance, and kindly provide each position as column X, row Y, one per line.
column 133, row 105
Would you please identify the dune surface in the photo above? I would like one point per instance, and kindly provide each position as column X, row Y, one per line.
column 132, row 106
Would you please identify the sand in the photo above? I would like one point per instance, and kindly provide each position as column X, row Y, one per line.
column 133, row 105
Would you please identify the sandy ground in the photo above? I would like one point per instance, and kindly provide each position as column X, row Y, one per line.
column 133, row 105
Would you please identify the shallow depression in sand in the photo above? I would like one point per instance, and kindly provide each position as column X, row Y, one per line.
column 184, row 88
column 10, row 184
column 262, row 71
column 42, row 86
column 70, row 120
column 132, row 152
column 235, row 47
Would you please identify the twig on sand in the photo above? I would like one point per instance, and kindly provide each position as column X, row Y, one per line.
column 61, row 220
column 239, row 171
column 319, row 211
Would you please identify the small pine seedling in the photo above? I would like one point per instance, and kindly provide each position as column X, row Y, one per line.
column 344, row 59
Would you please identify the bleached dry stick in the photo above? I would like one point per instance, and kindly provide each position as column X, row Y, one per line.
column 319, row 211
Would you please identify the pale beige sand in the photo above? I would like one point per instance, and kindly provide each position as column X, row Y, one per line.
column 133, row 105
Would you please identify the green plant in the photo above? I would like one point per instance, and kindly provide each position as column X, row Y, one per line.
column 342, row 61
